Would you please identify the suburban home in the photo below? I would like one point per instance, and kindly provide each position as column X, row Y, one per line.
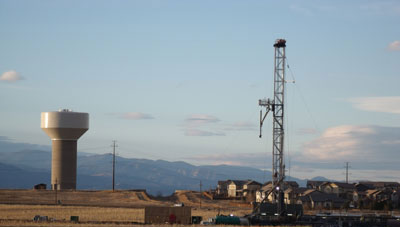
column 250, row 190
column 235, row 188
column 319, row 200
column 381, row 185
column 343, row 190
column 360, row 187
column 395, row 198
column 291, row 195
column 378, row 195
column 267, row 187
column 222, row 188
column 262, row 192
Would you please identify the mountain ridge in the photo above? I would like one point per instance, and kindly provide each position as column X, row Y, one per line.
column 24, row 168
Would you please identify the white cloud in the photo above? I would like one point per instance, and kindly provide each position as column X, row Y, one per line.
column 200, row 119
column 135, row 116
column 194, row 125
column 389, row 104
column 241, row 126
column 11, row 76
column 198, row 132
column 394, row 46
column 360, row 144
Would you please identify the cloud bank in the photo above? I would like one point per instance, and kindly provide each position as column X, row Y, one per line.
column 135, row 116
column 200, row 119
column 201, row 125
column 198, row 132
column 394, row 46
column 241, row 126
column 356, row 143
column 388, row 104
column 11, row 76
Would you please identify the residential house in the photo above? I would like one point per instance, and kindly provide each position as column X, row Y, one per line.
column 263, row 191
column 395, row 198
column 222, row 188
column 235, row 188
column 313, row 199
column 360, row 187
column 250, row 189
column 291, row 195
column 340, row 189
column 267, row 187
column 381, row 185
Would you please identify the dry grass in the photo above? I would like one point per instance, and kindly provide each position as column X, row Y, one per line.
column 20, row 214
column 100, row 214
column 99, row 208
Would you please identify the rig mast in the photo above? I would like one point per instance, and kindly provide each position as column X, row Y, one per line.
column 277, row 107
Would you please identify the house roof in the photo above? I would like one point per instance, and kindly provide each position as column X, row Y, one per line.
column 238, row 183
column 292, row 184
column 371, row 192
column 344, row 185
column 297, row 190
column 380, row 184
column 252, row 182
column 314, row 183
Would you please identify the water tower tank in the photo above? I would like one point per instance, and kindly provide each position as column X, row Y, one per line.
column 64, row 128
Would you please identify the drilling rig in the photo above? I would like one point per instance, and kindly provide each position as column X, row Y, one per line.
column 276, row 106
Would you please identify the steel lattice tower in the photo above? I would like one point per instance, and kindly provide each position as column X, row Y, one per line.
column 277, row 107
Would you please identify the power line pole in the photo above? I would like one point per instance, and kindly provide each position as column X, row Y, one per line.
column 113, row 164
column 347, row 172
column 55, row 190
column 200, row 193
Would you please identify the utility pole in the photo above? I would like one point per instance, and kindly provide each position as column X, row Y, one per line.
column 200, row 193
column 113, row 164
column 347, row 172
column 276, row 105
column 55, row 190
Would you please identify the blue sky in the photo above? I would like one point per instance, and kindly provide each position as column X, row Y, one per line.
column 180, row 80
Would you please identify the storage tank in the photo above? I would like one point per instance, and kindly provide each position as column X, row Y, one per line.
column 64, row 128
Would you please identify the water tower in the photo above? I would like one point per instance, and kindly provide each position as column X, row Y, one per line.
column 64, row 128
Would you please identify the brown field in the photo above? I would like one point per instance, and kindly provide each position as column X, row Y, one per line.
column 100, row 208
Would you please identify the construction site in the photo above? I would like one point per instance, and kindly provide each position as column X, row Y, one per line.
column 64, row 205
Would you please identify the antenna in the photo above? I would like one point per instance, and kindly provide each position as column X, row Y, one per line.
column 277, row 107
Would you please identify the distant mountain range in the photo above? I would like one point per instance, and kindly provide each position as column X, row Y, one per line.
column 22, row 167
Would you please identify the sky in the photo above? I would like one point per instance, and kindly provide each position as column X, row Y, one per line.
column 181, row 80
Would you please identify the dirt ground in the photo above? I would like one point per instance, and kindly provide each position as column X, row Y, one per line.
column 101, row 208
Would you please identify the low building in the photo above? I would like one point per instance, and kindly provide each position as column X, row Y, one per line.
column 171, row 215
column 40, row 187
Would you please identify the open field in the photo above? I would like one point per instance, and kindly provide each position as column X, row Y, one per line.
column 100, row 208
